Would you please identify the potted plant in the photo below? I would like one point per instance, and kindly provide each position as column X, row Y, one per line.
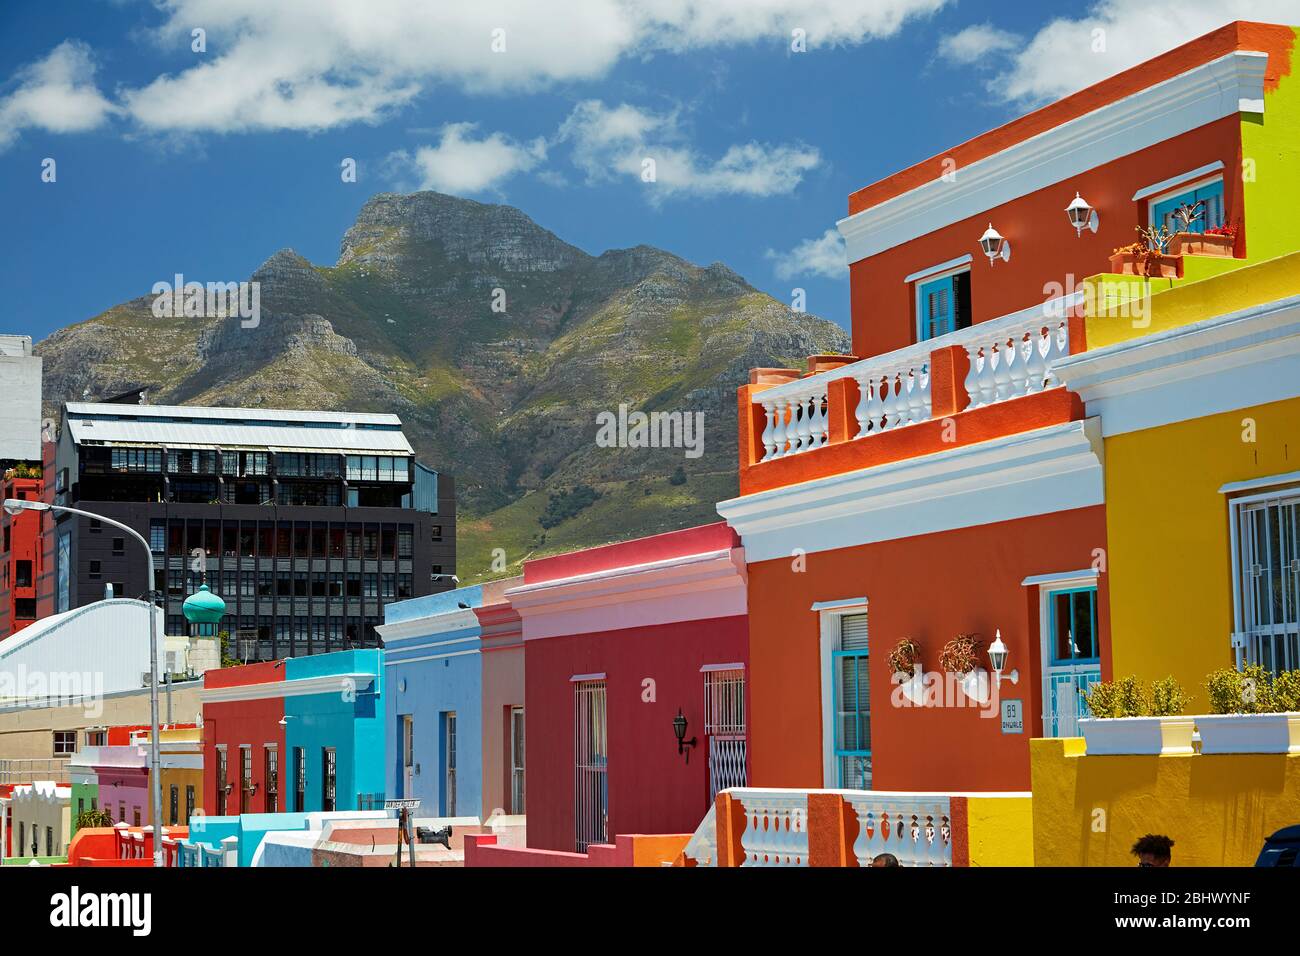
column 1251, row 712
column 960, row 656
column 905, row 664
column 1129, row 719
column 1147, row 257
column 1220, row 241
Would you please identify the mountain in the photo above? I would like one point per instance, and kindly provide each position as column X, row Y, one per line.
column 498, row 344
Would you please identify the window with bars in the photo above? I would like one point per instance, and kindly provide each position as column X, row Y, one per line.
column 591, row 753
column 246, row 779
column 724, row 726
column 517, row 760
column 222, row 786
column 329, row 783
column 852, row 704
column 299, row 779
column 449, row 762
column 1266, row 565
column 272, row 773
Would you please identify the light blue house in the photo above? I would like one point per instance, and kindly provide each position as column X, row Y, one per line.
column 434, row 675
column 334, row 731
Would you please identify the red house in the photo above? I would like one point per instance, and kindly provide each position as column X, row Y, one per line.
column 618, row 641
column 243, row 713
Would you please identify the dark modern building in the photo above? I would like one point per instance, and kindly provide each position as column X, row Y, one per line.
column 310, row 521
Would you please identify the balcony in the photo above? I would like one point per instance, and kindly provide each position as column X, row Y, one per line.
column 989, row 380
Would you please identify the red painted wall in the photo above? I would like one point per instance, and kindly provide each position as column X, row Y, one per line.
column 25, row 544
column 930, row 588
column 254, row 722
column 651, row 788
column 1044, row 248
column 659, row 547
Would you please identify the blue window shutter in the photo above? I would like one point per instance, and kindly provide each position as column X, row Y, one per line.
column 937, row 307
column 1211, row 215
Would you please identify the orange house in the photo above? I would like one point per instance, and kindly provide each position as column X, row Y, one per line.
column 941, row 482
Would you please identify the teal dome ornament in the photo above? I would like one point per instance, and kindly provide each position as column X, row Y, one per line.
column 203, row 610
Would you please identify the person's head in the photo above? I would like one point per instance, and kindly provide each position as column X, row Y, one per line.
column 885, row 859
column 1152, row 850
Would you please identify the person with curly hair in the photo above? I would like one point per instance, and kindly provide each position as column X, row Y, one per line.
column 1153, row 850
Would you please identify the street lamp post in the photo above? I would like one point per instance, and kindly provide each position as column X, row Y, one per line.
column 15, row 506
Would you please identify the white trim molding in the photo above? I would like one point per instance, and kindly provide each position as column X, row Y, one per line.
column 1051, row 469
column 692, row 587
column 1238, row 360
column 432, row 625
column 711, row 668
column 936, row 270
column 1231, row 84
column 579, row 678
column 1056, row 579
column 1166, row 184
column 303, row 687
column 841, row 603
column 1259, row 484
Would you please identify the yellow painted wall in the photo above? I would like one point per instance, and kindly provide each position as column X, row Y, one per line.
column 1000, row 831
column 1270, row 150
column 1218, row 809
column 1169, row 560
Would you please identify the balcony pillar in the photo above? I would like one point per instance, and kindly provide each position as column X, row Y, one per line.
column 841, row 408
column 729, row 819
column 832, row 830
column 948, row 370
column 751, row 420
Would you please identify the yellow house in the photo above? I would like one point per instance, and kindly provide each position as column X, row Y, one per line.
column 180, row 754
column 1200, row 414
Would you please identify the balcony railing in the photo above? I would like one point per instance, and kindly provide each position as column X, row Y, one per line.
column 1008, row 357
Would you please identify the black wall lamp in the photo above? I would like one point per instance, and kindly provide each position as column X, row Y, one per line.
column 679, row 730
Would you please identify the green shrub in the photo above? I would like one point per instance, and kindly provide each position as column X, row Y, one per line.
column 1168, row 698
column 564, row 505
column 1286, row 691
column 1249, row 691
column 1125, row 697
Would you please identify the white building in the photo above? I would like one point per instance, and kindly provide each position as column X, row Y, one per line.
column 20, row 399
column 41, row 818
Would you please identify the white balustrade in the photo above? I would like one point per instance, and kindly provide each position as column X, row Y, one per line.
column 917, row 829
column 1008, row 362
column 796, row 419
column 776, row 827
column 891, row 396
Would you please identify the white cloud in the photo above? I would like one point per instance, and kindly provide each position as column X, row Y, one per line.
column 319, row 64
column 462, row 165
column 977, row 43
column 824, row 256
column 621, row 142
column 1060, row 59
column 56, row 94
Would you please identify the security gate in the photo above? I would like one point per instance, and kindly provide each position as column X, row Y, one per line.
column 1267, row 585
column 591, row 758
column 724, row 725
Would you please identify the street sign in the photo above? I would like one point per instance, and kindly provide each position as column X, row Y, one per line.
column 401, row 804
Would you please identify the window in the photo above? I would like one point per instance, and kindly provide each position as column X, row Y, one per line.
column 942, row 305
column 1072, row 624
column 136, row 815
column 299, row 779
column 435, row 532
column 25, row 609
column 245, row 779
column 724, row 726
column 157, row 536
column 329, row 795
column 1070, row 651
column 189, row 802
column 65, row 742
column 49, row 841
column 591, row 758
column 96, row 738
column 22, row 574
column 404, row 586
column 136, row 459
column 449, row 763
column 96, row 569
column 1266, row 585
column 272, row 772
column 119, row 546
column 852, row 704
column 1208, row 194
column 517, row 792
column 222, row 786
column 405, row 541
column 174, row 805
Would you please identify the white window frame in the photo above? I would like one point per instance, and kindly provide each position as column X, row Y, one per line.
column 1046, row 584
column 1264, row 489
column 829, row 613
column 917, row 283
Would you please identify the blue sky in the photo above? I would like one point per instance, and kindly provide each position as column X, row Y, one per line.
column 205, row 163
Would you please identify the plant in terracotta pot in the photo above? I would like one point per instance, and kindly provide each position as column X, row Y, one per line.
column 1219, row 241
column 1251, row 711
column 905, row 664
column 1127, row 717
column 1147, row 256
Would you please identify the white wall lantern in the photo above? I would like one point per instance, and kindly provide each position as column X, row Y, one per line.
column 998, row 660
column 1082, row 216
column 994, row 246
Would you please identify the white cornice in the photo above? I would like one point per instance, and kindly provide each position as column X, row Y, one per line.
column 691, row 587
column 446, row 622
column 1233, row 83
column 1245, row 358
column 1050, row 469
column 302, row 687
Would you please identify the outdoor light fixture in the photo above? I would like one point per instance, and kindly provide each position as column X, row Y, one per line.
column 679, row 730
column 1082, row 216
column 14, row 506
column 994, row 246
column 998, row 659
